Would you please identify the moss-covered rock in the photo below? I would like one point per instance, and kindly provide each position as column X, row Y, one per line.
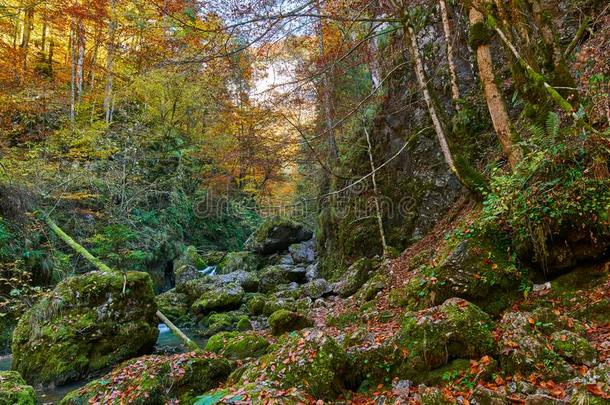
column 432, row 396
column 525, row 349
column 219, row 297
column 485, row 396
column 356, row 276
column 155, row 380
column 310, row 361
column 456, row 329
column 574, row 348
column 175, row 306
column 261, row 392
column 282, row 321
column 187, row 266
column 317, row 288
column 303, row 252
column 275, row 235
column 234, row 261
column 273, row 276
column 224, row 322
column 249, row 281
column 236, row 345
column 87, row 323
column 476, row 270
column 372, row 287
column 14, row 390
column 256, row 303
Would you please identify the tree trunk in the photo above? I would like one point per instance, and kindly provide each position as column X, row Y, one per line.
column 422, row 81
column 376, row 195
column 493, row 96
column 28, row 23
column 455, row 89
column 333, row 153
column 80, row 59
column 109, row 62
column 374, row 61
column 72, row 75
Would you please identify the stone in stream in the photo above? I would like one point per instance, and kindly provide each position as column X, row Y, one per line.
column 86, row 324
column 276, row 235
column 14, row 390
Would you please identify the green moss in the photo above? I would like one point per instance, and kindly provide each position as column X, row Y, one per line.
column 282, row 321
column 574, row 348
column 313, row 363
column 237, row 345
column 220, row 297
column 244, row 324
column 175, row 306
column 455, row 329
column 233, row 261
column 14, row 390
column 155, row 379
column 86, row 324
column 479, row 34
column 256, row 304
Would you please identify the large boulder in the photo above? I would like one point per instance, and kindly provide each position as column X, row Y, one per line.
column 282, row 321
column 428, row 339
column 219, row 297
column 237, row 345
column 311, row 361
column 275, row 235
column 303, row 252
column 475, row 270
column 88, row 323
column 234, row 261
column 271, row 277
column 537, row 342
column 155, row 380
column 14, row 390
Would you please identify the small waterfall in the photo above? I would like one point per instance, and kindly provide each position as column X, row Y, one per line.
column 163, row 329
column 208, row 271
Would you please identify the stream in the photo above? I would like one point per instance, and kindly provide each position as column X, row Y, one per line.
column 167, row 342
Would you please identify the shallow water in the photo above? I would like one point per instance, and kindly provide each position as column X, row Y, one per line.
column 167, row 342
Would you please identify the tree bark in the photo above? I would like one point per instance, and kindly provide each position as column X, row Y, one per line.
column 109, row 62
column 455, row 89
column 493, row 96
column 421, row 79
column 28, row 23
column 376, row 195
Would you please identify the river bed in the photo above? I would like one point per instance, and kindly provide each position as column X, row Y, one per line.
column 167, row 342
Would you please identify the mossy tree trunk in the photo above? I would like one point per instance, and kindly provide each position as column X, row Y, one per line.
column 455, row 89
column 495, row 101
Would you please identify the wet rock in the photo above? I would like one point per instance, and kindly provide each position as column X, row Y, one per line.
column 155, row 380
column 356, row 276
column 282, row 321
column 234, row 261
column 14, row 390
column 237, row 345
column 311, row 361
column 219, row 297
column 88, row 323
column 275, row 235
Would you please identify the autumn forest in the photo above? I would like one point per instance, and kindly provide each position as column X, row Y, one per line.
column 304, row 202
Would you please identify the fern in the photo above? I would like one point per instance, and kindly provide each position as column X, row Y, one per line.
column 553, row 124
